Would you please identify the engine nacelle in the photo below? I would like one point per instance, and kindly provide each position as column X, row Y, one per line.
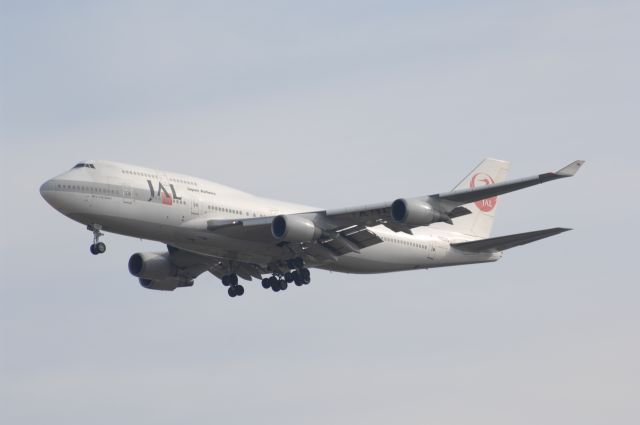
column 293, row 228
column 415, row 212
column 168, row 284
column 151, row 266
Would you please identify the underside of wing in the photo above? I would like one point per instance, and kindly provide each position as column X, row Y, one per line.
column 350, row 239
column 192, row 265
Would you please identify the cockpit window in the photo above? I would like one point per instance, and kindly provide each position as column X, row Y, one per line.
column 84, row 165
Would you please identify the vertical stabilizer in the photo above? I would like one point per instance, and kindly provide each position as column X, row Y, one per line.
column 479, row 222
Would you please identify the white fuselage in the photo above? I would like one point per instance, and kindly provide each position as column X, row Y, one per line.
column 171, row 208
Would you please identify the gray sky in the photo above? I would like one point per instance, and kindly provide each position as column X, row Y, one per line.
column 328, row 104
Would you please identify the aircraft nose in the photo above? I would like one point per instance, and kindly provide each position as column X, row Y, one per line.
column 46, row 189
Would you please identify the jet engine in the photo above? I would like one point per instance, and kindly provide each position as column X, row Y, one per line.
column 155, row 271
column 151, row 265
column 293, row 228
column 415, row 212
column 168, row 284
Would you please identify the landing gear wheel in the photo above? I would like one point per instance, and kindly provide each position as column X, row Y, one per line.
column 232, row 291
column 239, row 290
column 96, row 247
column 283, row 285
column 275, row 288
column 266, row 284
column 273, row 281
column 305, row 274
column 299, row 281
column 288, row 277
column 230, row 279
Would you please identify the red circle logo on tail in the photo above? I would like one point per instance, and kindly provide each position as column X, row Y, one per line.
column 483, row 179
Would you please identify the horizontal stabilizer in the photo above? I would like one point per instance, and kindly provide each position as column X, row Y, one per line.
column 505, row 242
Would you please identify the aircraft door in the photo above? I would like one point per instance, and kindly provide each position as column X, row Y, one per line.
column 435, row 250
column 195, row 206
column 127, row 194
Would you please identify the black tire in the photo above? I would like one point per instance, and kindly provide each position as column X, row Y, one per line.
column 92, row 249
column 273, row 281
column 239, row 290
column 266, row 284
column 275, row 288
column 306, row 275
column 283, row 285
column 233, row 279
column 225, row 280
column 288, row 277
column 232, row 291
column 101, row 248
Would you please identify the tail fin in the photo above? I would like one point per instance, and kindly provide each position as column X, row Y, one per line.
column 480, row 221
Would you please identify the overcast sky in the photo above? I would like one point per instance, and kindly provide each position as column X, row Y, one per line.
column 331, row 104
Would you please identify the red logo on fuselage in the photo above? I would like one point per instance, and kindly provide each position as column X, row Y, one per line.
column 483, row 179
column 166, row 197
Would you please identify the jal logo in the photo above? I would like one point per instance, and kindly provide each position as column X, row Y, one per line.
column 166, row 197
column 483, row 179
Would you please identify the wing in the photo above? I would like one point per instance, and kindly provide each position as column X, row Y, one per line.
column 336, row 237
column 332, row 233
column 465, row 196
column 442, row 207
column 191, row 265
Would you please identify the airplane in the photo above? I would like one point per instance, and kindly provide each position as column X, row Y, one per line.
column 208, row 227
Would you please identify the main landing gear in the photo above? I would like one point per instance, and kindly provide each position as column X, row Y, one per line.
column 300, row 276
column 231, row 280
column 297, row 274
column 96, row 247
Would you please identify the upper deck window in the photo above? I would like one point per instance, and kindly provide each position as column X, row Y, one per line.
column 84, row 165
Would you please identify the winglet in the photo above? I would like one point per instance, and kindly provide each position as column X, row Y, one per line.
column 571, row 169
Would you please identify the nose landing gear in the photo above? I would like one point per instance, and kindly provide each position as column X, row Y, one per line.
column 97, row 247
